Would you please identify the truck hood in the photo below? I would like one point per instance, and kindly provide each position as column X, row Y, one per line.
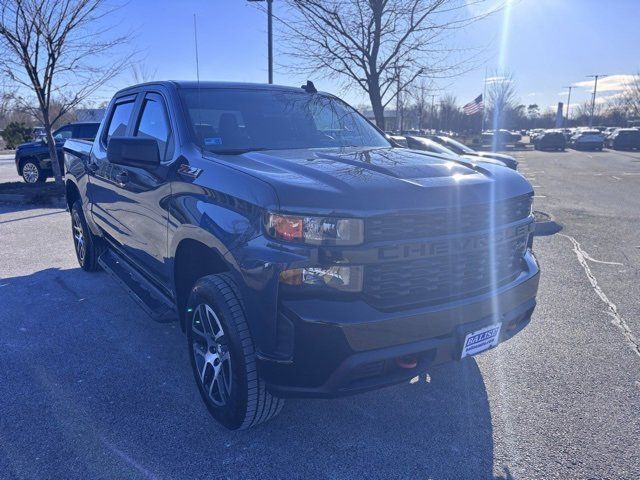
column 39, row 143
column 365, row 181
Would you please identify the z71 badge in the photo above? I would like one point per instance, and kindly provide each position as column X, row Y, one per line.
column 189, row 171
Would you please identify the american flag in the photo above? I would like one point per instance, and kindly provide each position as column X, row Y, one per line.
column 473, row 107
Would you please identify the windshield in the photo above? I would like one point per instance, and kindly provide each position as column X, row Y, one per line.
column 236, row 120
column 457, row 146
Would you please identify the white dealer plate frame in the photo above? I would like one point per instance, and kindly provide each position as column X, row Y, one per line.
column 481, row 340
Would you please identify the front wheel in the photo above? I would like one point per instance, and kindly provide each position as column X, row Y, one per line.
column 32, row 173
column 223, row 358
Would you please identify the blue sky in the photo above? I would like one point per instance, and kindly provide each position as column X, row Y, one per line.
column 545, row 44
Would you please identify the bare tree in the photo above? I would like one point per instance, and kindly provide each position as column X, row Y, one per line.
column 582, row 112
column 631, row 97
column 501, row 93
column 379, row 46
column 421, row 93
column 7, row 102
column 58, row 52
column 141, row 73
column 449, row 113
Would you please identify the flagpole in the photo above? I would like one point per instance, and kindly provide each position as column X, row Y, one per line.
column 484, row 99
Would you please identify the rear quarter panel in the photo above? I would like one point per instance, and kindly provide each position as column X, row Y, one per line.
column 76, row 156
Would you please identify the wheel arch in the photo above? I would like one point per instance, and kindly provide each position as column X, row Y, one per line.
column 192, row 260
column 72, row 193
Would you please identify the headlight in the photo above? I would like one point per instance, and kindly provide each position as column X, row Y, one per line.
column 346, row 279
column 315, row 230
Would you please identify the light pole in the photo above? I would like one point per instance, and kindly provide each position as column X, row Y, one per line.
column 593, row 99
column 398, row 102
column 432, row 121
column 269, row 35
column 568, row 104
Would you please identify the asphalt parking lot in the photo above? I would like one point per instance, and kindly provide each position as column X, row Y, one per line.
column 90, row 387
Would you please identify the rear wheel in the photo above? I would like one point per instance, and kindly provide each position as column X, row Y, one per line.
column 223, row 358
column 32, row 173
column 88, row 247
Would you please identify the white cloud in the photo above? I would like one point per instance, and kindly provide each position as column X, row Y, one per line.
column 608, row 98
column 612, row 83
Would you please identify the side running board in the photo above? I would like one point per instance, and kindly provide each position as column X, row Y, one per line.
column 154, row 302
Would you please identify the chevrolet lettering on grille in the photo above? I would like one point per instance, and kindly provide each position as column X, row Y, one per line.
column 454, row 246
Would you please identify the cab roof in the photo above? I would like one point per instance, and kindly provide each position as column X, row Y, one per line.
column 188, row 84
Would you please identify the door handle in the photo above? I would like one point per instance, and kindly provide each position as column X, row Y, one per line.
column 122, row 178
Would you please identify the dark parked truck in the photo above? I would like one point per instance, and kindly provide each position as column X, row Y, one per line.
column 32, row 159
column 302, row 254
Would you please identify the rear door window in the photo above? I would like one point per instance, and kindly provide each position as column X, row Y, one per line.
column 63, row 133
column 87, row 131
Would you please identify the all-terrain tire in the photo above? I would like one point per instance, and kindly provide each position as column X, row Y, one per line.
column 248, row 402
column 87, row 246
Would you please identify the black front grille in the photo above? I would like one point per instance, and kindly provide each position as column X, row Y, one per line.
column 441, row 279
column 445, row 221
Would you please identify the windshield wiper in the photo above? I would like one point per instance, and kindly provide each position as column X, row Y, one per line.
column 237, row 151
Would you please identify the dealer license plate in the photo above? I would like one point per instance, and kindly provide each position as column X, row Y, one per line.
column 481, row 340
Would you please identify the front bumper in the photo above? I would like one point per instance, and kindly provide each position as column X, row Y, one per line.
column 341, row 348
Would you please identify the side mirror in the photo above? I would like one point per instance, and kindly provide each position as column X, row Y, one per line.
column 134, row 152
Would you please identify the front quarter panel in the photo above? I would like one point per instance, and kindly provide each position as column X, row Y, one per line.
column 223, row 209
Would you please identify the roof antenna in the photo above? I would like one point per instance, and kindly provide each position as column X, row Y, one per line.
column 309, row 87
column 195, row 38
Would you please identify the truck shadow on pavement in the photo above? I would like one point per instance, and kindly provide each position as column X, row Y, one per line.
column 90, row 387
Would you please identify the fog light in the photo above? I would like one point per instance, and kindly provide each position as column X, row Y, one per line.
column 346, row 279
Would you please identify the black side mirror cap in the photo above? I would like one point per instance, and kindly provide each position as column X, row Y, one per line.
column 137, row 152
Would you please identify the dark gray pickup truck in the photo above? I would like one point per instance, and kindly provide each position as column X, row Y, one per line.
column 303, row 254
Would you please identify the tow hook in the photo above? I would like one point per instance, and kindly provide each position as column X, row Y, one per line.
column 407, row 361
